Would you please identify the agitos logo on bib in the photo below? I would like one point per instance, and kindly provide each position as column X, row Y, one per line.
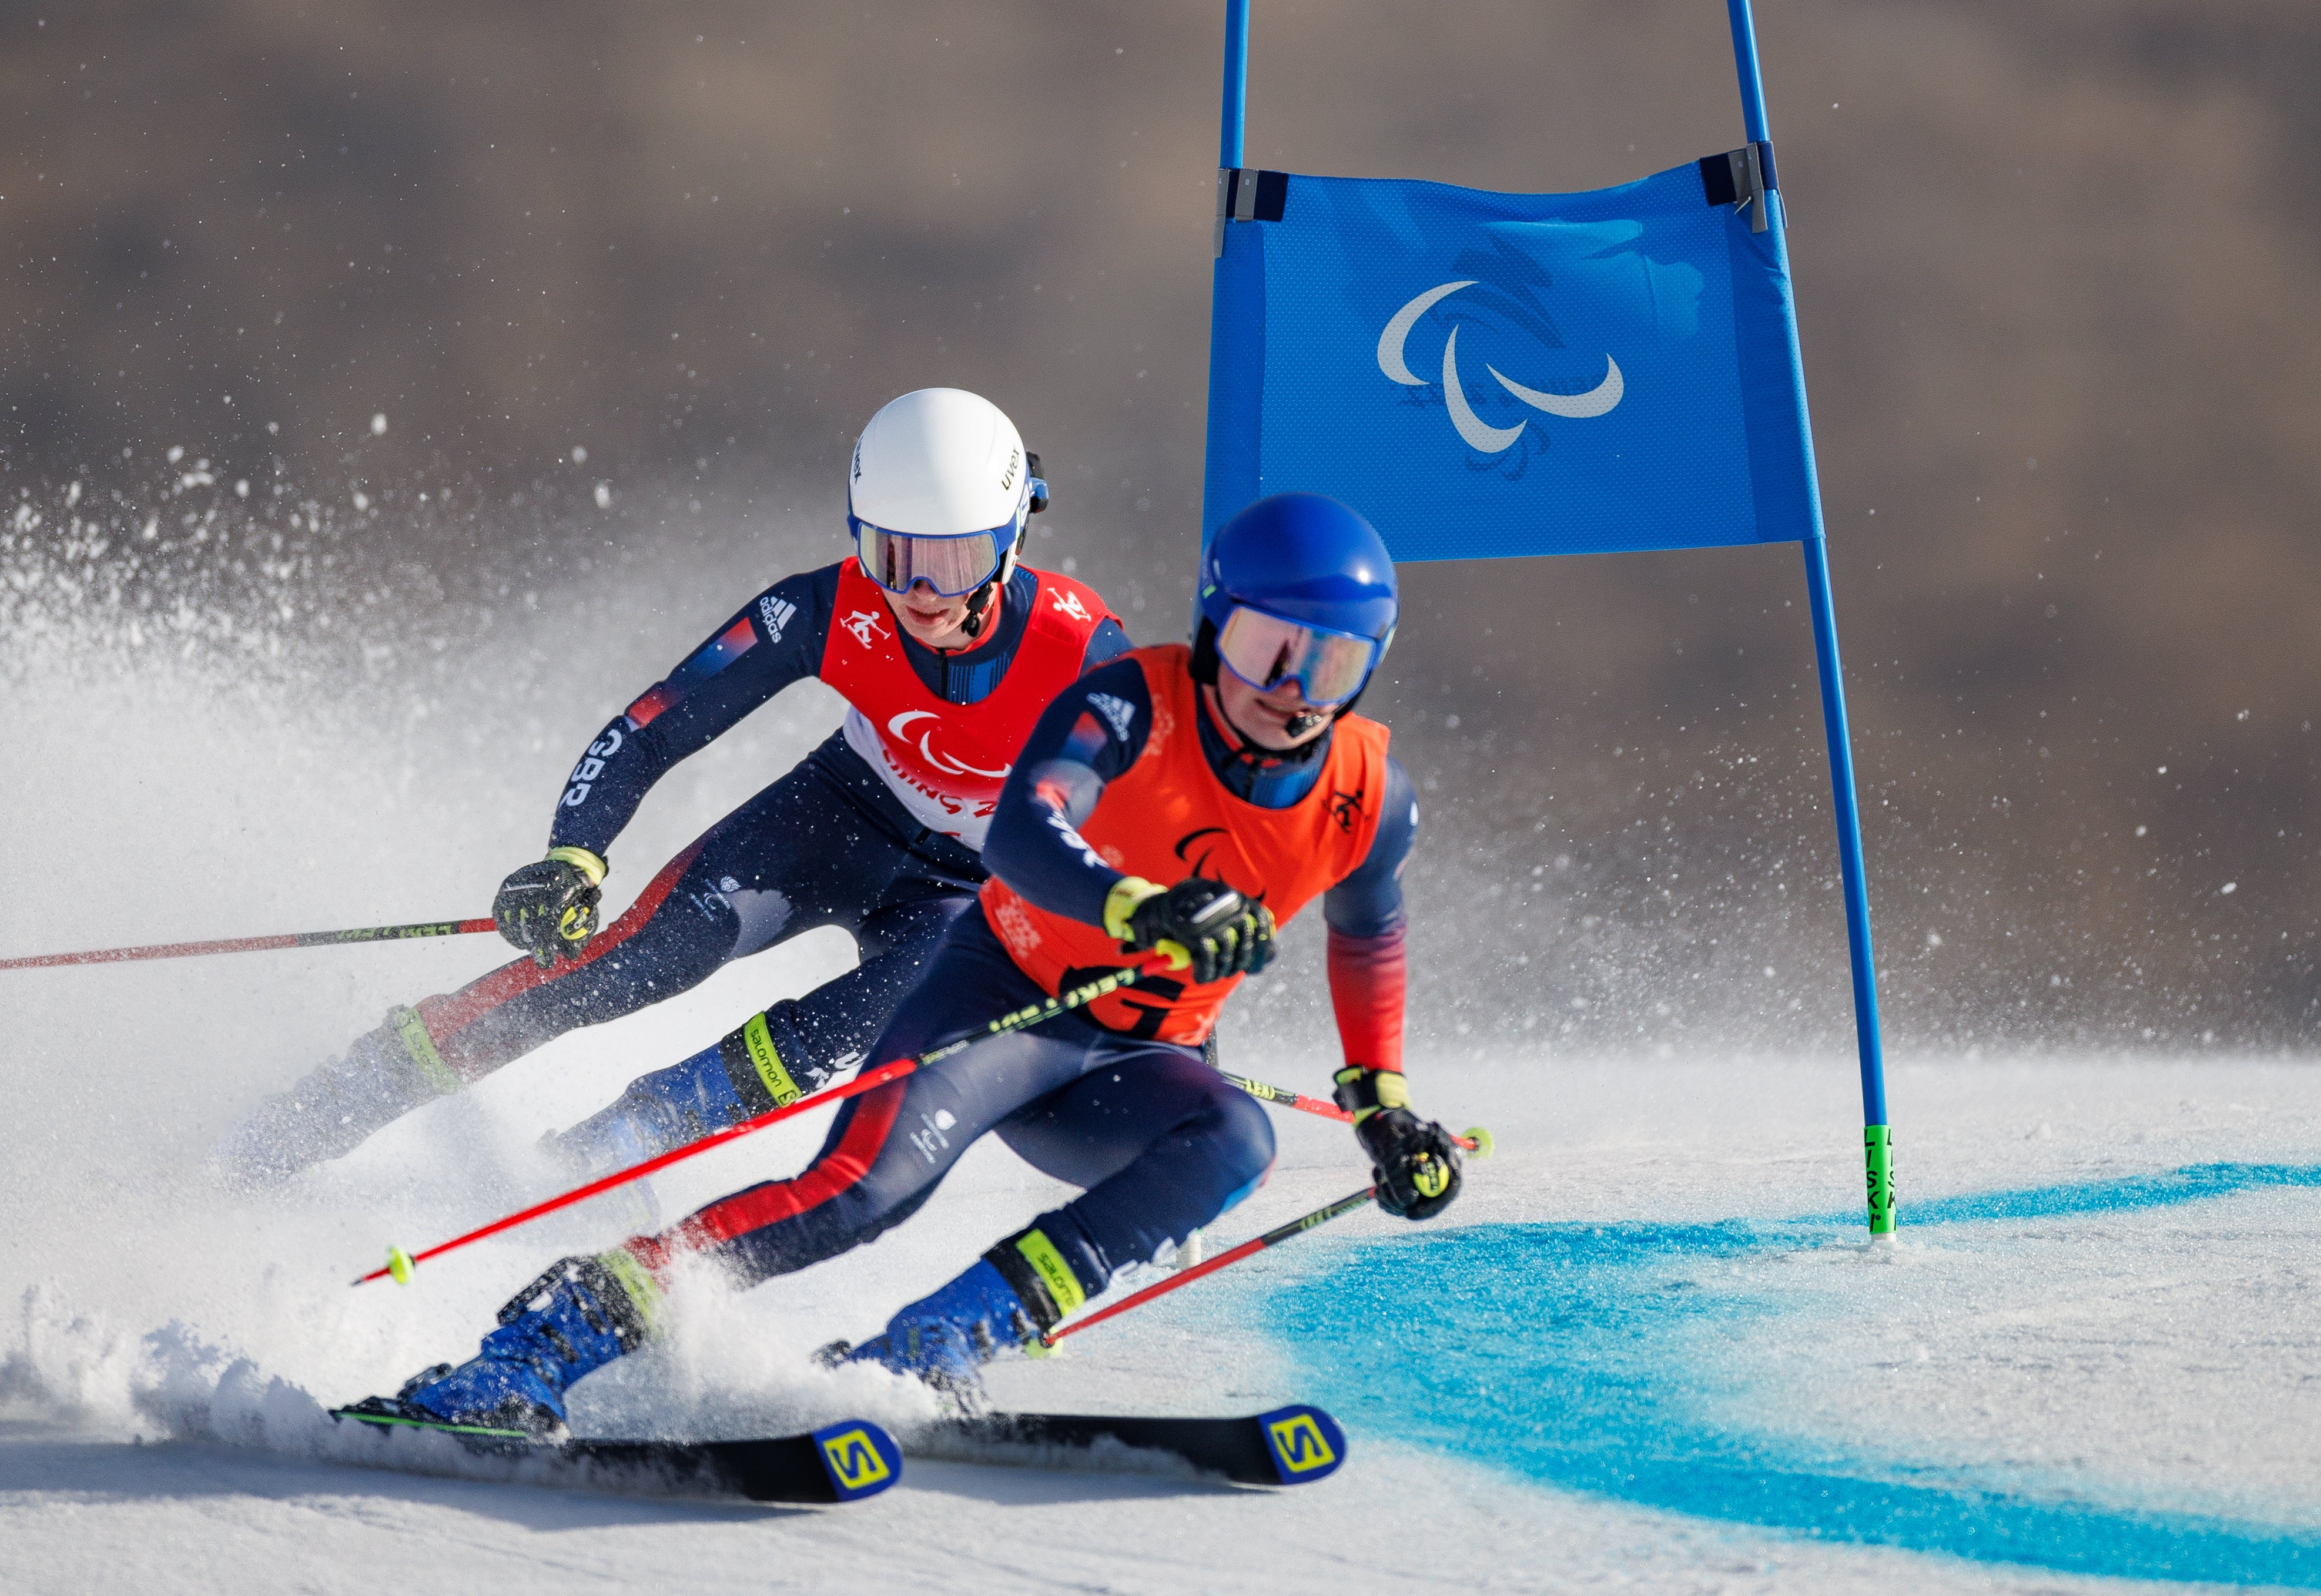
column 948, row 761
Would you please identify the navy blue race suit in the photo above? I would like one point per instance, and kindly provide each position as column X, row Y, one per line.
column 1160, row 1142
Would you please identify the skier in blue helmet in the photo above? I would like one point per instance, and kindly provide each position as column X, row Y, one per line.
column 1297, row 587
column 1172, row 800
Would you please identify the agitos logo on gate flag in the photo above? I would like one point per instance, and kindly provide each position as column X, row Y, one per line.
column 1488, row 374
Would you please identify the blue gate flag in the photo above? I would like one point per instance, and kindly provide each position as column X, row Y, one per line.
column 1489, row 374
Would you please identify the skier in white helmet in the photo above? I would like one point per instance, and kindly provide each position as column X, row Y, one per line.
column 946, row 650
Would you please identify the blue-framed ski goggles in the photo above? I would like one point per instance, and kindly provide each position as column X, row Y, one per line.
column 1265, row 650
column 952, row 564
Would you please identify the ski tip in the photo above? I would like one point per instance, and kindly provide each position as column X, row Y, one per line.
column 1478, row 1140
column 1305, row 1444
column 399, row 1265
column 859, row 1458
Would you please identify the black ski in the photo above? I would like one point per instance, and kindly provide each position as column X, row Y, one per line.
column 842, row 1462
column 1293, row 1446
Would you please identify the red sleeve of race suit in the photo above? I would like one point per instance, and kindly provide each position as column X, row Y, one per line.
column 1368, row 974
column 1367, row 980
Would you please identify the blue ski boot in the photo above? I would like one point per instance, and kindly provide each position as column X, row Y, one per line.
column 743, row 1077
column 579, row 1316
column 1011, row 1297
column 664, row 1109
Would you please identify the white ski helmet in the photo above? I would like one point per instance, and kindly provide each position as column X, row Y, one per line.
column 939, row 492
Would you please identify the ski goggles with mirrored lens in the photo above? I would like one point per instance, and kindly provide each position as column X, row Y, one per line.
column 1267, row 650
column 957, row 564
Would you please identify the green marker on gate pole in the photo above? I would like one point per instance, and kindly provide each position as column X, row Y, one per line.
column 1878, row 1153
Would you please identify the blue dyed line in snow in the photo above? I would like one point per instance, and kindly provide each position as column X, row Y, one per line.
column 1582, row 1356
column 2188, row 1184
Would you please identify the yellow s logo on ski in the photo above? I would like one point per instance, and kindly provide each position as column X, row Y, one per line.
column 854, row 1460
column 1298, row 1442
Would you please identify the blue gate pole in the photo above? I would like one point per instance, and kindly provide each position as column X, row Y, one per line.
column 1236, row 316
column 1235, row 102
column 1876, row 1137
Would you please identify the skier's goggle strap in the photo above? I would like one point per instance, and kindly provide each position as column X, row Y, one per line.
column 1267, row 650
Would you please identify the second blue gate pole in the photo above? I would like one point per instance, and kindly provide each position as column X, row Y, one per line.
column 1235, row 98
column 1877, row 1140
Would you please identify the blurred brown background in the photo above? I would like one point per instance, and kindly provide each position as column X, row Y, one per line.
column 2057, row 266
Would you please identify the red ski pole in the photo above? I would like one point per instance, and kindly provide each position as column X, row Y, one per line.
column 1273, row 1237
column 400, row 1264
column 111, row 956
column 1476, row 1140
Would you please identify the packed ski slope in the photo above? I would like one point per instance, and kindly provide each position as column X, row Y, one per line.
column 1632, row 1359
column 1649, row 1348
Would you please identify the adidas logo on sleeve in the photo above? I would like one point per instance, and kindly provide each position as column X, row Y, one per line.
column 1116, row 710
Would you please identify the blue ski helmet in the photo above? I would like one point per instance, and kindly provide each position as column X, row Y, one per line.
column 1300, row 558
column 1298, row 562
column 1304, row 558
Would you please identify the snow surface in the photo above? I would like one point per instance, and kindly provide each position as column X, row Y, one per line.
column 1651, row 1347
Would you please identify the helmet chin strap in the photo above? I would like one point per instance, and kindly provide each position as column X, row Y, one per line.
column 980, row 601
column 978, row 605
column 1305, row 720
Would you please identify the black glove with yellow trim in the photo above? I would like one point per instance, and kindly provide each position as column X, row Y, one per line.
column 550, row 909
column 1416, row 1164
column 1215, row 931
